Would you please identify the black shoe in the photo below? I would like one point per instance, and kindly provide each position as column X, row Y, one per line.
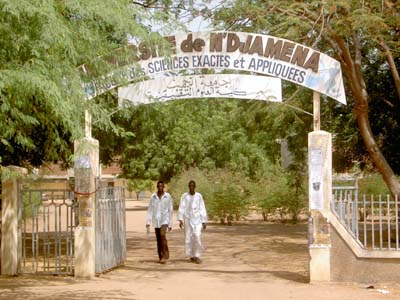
column 192, row 259
column 197, row 260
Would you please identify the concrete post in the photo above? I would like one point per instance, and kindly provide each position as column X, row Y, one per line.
column 86, row 170
column 316, row 111
column 9, row 217
column 320, row 194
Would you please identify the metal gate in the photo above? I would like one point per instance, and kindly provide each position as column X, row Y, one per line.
column 47, row 220
column 110, row 228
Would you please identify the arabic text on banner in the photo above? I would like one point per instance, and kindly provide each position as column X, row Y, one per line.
column 204, row 86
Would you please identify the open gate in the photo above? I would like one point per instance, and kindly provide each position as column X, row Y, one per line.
column 110, row 228
column 46, row 222
column 47, row 219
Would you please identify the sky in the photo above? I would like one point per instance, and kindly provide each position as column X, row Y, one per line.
column 197, row 24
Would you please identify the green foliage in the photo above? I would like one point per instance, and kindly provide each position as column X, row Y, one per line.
column 230, row 195
column 267, row 123
column 43, row 45
column 31, row 202
column 353, row 32
column 223, row 191
column 167, row 138
column 224, row 145
column 139, row 185
column 279, row 192
column 179, row 185
column 384, row 110
column 9, row 174
column 384, row 115
column 229, row 201
column 372, row 185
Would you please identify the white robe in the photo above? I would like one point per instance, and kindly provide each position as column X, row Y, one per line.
column 193, row 212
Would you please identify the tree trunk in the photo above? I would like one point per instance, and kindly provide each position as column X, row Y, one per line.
column 392, row 64
column 265, row 216
column 295, row 216
column 374, row 151
column 352, row 70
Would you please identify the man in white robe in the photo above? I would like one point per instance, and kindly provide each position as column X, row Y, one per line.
column 193, row 216
column 159, row 213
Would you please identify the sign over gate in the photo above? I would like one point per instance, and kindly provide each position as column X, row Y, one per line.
column 256, row 53
column 203, row 86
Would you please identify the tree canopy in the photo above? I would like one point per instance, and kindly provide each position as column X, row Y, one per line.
column 50, row 47
column 167, row 138
column 357, row 33
column 43, row 45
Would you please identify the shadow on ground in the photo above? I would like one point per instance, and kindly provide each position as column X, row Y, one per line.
column 291, row 276
column 22, row 287
column 254, row 251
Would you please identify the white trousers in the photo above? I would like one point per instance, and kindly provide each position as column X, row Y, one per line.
column 193, row 246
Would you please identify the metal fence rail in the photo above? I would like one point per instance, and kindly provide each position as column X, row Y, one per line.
column 46, row 231
column 373, row 220
column 110, row 228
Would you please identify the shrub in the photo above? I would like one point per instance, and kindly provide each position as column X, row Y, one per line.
column 373, row 184
column 179, row 185
column 229, row 198
column 222, row 190
column 229, row 195
column 279, row 192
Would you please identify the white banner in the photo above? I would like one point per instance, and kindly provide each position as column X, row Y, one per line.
column 241, row 51
column 203, row 86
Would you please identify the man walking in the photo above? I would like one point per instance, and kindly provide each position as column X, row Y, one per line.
column 159, row 213
column 192, row 214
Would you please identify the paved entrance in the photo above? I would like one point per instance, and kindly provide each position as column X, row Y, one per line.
column 247, row 261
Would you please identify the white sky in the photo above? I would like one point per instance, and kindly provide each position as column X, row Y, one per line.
column 197, row 24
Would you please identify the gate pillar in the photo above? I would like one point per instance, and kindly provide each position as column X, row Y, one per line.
column 85, row 172
column 320, row 194
column 9, row 218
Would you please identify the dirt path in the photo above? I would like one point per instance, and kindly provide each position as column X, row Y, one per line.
column 247, row 261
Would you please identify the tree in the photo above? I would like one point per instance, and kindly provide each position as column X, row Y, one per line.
column 351, row 31
column 179, row 184
column 384, row 112
column 223, row 190
column 279, row 191
column 43, row 45
column 139, row 185
column 166, row 138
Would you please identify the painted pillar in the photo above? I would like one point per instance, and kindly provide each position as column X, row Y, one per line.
column 9, row 217
column 85, row 170
column 320, row 194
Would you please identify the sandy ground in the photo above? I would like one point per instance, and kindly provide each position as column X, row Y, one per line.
column 254, row 260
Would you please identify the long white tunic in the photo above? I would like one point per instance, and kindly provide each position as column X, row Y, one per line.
column 192, row 208
column 193, row 212
column 160, row 211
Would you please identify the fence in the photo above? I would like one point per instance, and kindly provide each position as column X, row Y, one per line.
column 47, row 220
column 110, row 228
column 373, row 220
